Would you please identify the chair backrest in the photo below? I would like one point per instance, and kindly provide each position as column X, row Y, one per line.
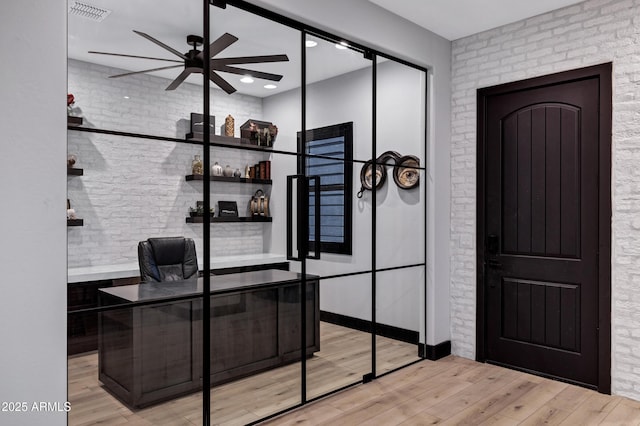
column 167, row 259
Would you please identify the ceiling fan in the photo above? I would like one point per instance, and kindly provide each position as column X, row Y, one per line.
column 193, row 61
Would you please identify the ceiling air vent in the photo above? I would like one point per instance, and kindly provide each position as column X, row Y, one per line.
column 85, row 10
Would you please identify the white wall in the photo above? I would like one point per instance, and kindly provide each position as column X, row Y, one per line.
column 589, row 33
column 364, row 22
column 132, row 188
column 400, row 213
column 33, row 230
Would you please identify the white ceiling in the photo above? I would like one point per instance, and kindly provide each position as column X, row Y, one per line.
column 171, row 21
column 454, row 19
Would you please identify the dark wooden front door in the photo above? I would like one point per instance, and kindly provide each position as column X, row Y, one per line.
column 540, row 144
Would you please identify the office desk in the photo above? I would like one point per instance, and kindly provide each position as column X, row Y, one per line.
column 153, row 352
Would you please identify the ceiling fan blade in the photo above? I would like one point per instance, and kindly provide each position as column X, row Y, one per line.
column 135, row 56
column 251, row 59
column 161, row 44
column 144, row 71
column 222, row 42
column 179, row 79
column 244, row 71
column 222, row 83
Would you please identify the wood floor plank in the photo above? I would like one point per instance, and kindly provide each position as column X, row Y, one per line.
column 530, row 402
column 491, row 404
column 626, row 412
column 592, row 411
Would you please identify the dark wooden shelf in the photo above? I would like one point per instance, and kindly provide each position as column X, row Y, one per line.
column 72, row 171
column 75, row 222
column 200, row 219
column 74, row 121
column 219, row 141
column 230, row 179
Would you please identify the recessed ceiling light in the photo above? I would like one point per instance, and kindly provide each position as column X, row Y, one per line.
column 126, row 97
column 310, row 43
column 246, row 79
column 342, row 45
column 270, row 86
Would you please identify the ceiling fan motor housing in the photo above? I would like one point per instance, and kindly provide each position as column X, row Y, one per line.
column 195, row 40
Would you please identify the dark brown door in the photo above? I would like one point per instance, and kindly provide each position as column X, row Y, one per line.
column 541, row 235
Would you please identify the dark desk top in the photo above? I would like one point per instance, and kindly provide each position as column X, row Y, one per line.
column 146, row 292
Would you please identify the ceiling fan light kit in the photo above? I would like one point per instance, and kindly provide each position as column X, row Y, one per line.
column 193, row 62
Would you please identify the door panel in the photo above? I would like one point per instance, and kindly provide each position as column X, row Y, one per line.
column 541, row 200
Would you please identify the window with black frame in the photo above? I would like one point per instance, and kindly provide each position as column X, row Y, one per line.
column 330, row 155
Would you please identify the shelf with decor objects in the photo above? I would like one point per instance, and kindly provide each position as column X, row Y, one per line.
column 74, row 171
column 229, row 179
column 73, row 121
column 230, row 219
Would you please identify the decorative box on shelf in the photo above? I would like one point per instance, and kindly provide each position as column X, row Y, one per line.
column 197, row 126
column 261, row 133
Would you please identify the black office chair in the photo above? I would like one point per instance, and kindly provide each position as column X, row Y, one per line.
column 167, row 259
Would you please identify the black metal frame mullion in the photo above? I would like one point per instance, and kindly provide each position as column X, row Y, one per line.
column 374, row 149
column 303, row 222
column 206, row 223
column 423, row 352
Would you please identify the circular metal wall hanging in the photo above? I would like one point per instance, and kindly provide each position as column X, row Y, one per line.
column 366, row 177
column 366, row 173
column 406, row 173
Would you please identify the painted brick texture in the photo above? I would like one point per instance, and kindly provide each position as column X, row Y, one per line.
column 132, row 188
column 589, row 33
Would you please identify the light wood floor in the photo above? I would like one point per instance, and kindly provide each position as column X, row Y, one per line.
column 449, row 391
column 343, row 359
column 456, row 391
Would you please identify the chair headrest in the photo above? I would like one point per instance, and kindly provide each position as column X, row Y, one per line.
column 168, row 251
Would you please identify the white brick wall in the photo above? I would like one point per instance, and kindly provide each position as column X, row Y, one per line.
column 589, row 33
column 134, row 188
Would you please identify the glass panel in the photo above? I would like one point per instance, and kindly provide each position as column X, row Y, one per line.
column 127, row 184
column 337, row 144
column 400, row 214
column 256, row 320
column 399, row 317
column 345, row 335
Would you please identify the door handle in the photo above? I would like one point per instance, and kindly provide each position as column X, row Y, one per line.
column 300, row 232
column 316, row 214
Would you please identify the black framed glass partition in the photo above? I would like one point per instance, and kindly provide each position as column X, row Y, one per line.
column 256, row 140
column 400, row 214
column 128, row 162
column 337, row 141
column 256, row 332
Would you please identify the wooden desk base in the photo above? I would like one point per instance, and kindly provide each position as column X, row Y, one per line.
column 152, row 353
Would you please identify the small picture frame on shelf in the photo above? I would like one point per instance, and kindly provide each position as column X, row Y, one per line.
column 197, row 126
column 227, row 209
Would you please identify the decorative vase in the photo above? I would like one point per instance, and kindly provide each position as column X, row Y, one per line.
column 228, row 171
column 237, row 173
column 216, row 169
column 229, row 126
column 196, row 165
column 247, row 172
column 259, row 204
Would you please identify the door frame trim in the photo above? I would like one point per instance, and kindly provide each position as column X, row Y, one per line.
column 603, row 73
